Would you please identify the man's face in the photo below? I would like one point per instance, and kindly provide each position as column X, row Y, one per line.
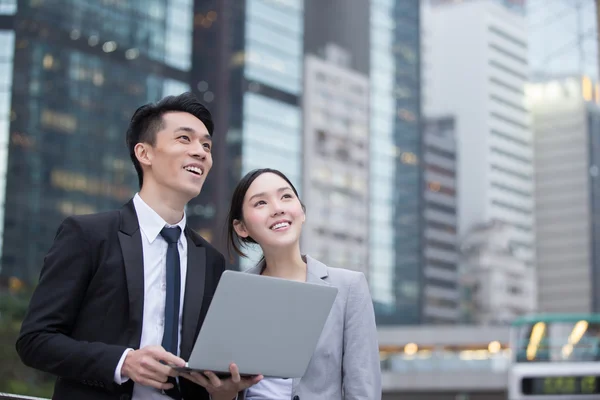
column 181, row 157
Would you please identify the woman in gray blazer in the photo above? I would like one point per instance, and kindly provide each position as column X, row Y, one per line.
column 267, row 211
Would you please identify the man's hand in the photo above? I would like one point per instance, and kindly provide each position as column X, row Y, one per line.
column 222, row 389
column 144, row 366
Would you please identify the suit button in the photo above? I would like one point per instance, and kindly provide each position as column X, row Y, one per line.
column 296, row 397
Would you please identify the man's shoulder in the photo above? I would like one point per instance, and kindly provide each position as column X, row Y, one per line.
column 105, row 217
column 210, row 249
column 97, row 225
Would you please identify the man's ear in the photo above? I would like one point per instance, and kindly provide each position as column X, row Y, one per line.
column 143, row 153
column 240, row 228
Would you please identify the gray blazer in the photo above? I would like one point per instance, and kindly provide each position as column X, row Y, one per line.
column 345, row 364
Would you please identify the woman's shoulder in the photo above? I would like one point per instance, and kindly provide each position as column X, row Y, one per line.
column 337, row 276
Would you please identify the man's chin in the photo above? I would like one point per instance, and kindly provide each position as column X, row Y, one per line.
column 193, row 191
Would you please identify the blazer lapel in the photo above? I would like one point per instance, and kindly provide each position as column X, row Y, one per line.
column 130, row 241
column 194, row 292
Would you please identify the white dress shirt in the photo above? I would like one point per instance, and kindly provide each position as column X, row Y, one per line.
column 155, row 288
column 270, row 389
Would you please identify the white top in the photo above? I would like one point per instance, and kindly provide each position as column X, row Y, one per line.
column 270, row 389
column 154, row 249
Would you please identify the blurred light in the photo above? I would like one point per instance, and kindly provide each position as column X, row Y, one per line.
column 14, row 284
column 406, row 115
column 75, row 34
column 408, row 158
column 238, row 58
column 434, row 186
column 209, row 96
column 211, row 16
column 206, row 234
column 109, row 47
column 411, row 349
column 93, row 40
column 597, row 93
column 537, row 332
column 48, row 61
column 587, row 88
column 132, row 54
column 202, row 86
column 98, row 79
column 494, row 347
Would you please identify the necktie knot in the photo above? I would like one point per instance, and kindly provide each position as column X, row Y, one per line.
column 171, row 235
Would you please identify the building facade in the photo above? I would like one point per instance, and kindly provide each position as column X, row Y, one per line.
column 336, row 160
column 441, row 303
column 476, row 68
column 78, row 73
column 497, row 285
column 396, row 179
column 567, row 193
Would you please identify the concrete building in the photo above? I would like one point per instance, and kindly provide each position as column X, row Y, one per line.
column 441, row 292
column 498, row 285
column 475, row 68
column 336, row 163
column 566, row 123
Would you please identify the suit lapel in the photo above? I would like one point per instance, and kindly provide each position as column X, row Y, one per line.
column 130, row 241
column 194, row 292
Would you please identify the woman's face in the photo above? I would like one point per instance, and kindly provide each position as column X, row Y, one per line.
column 272, row 213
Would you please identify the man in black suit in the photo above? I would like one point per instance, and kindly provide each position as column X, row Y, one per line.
column 123, row 293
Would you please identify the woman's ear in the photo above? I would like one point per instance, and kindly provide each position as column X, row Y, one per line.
column 240, row 228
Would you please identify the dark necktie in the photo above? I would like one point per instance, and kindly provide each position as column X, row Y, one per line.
column 171, row 334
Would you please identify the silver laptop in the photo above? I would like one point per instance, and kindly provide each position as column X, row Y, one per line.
column 265, row 325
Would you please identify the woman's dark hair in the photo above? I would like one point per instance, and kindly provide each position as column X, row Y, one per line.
column 147, row 121
column 235, row 243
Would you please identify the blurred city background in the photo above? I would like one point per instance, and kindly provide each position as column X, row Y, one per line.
column 449, row 149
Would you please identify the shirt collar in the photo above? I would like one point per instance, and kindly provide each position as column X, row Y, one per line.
column 150, row 222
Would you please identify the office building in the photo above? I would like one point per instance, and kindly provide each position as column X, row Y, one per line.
column 441, row 302
column 396, row 179
column 475, row 70
column 336, row 160
column 497, row 285
column 78, row 73
column 566, row 125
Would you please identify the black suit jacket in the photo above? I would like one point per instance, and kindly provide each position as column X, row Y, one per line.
column 87, row 309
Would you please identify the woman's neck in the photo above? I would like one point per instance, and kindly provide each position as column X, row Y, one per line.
column 288, row 265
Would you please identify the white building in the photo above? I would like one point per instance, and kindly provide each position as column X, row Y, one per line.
column 499, row 286
column 475, row 69
column 567, row 160
column 336, row 161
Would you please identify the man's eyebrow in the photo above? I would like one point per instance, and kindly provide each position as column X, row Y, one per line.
column 187, row 129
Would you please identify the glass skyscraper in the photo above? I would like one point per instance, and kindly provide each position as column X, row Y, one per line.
column 396, row 275
column 248, row 55
column 79, row 70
